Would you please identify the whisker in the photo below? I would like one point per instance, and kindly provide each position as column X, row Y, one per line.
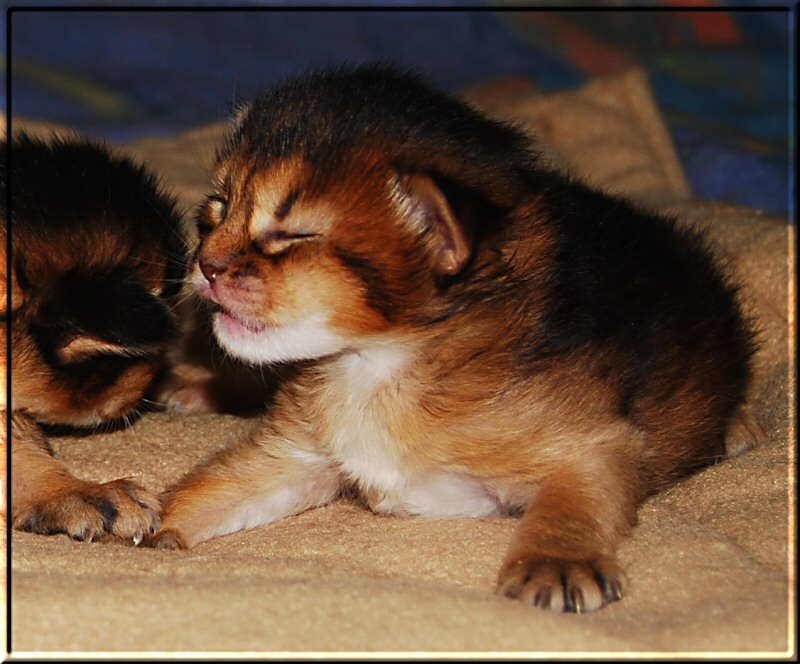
column 151, row 262
column 153, row 403
column 130, row 428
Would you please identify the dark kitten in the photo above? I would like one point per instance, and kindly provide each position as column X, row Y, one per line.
column 478, row 335
column 95, row 266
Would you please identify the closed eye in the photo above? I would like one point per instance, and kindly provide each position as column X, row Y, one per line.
column 277, row 242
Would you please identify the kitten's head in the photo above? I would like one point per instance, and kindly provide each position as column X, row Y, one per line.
column 345, row 207
column 96, row 263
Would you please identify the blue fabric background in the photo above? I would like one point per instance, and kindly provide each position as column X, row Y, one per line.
column 723, row 77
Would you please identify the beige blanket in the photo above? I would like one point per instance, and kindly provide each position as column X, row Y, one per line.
column 711, row 564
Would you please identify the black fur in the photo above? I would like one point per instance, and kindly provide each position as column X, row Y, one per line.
column 70, row 186
column 115, row 308
column 376, row 102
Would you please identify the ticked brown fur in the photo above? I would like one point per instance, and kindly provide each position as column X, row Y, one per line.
column 471, row 334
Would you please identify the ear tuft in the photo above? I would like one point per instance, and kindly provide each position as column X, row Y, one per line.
column 453, row 234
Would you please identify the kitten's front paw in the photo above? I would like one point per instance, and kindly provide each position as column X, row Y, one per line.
column 90, row 512
column 165, row 539
column 563, row 585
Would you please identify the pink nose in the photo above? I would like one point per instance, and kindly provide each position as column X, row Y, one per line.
column 211, row 271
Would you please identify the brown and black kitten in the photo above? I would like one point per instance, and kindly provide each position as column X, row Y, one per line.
column 96, row 261
column 472, row 333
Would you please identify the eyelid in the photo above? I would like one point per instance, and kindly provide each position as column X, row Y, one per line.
column 287, row 238
column 276, row 242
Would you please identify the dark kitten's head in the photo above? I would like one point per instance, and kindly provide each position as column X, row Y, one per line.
column 96, row 264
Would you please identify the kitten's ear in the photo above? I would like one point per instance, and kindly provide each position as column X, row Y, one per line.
column 452, row 229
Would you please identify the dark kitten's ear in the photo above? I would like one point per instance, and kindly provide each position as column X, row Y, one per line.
column 451, row 225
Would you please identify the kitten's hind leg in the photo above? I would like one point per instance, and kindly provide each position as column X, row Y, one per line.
column 562, row 554
column 47, row 499
column 255, row 482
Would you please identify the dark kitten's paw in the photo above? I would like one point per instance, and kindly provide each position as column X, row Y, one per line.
column 91, row 512
column 165, row 539
column 563, row 585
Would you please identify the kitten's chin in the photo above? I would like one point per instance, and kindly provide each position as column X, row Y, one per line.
column 261, row 343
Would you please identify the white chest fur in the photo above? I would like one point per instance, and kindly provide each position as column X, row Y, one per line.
column 362, row 397
column 370, row 434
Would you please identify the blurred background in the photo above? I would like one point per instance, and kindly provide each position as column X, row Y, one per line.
column 723, row 77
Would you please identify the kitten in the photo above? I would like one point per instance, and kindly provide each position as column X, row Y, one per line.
column 96, row 261
column 472, row 333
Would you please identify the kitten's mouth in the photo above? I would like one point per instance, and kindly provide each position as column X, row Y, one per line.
column 235, row 324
